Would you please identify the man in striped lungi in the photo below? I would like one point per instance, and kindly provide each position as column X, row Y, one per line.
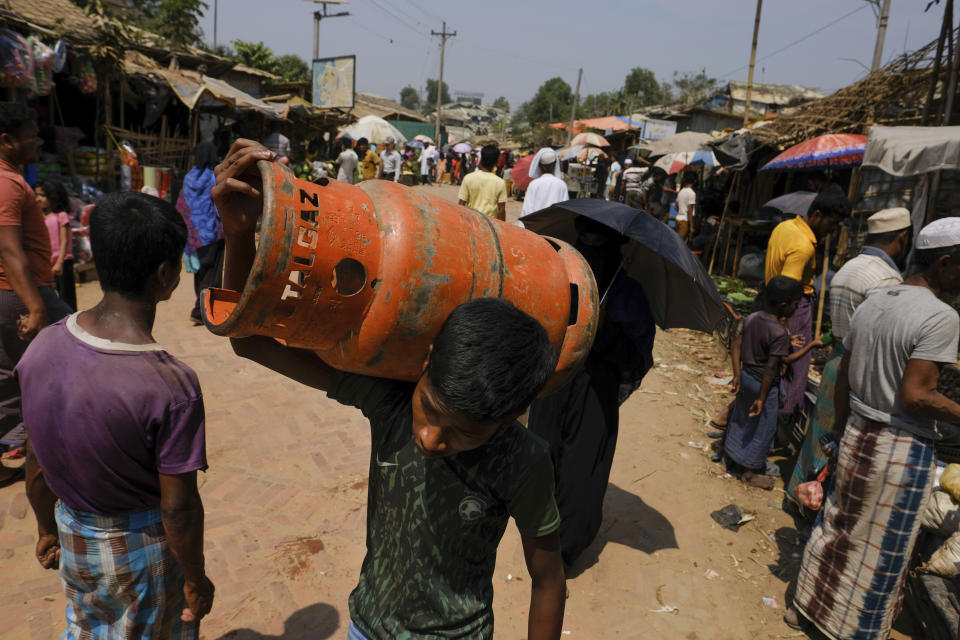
column 851, row 579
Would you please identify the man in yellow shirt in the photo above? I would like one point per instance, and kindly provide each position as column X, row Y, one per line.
column 792, row 252
column 369, row 160
column 483, row 190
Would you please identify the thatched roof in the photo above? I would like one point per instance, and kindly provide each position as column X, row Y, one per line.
column 368, row 104
column 63, row 19
column 894, row 95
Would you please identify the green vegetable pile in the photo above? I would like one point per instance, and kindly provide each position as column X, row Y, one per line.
column 736, row 293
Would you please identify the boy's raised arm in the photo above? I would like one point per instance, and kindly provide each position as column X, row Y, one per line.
column 548, row 592
column 239, row 203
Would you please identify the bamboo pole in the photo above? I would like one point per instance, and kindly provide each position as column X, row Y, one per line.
column 723, row 217
column 823, row 285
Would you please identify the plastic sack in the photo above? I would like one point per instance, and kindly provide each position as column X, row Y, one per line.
column 945, row 561
column 950, row 481
column 16, row 60
column 941, row 514
column 44, row 61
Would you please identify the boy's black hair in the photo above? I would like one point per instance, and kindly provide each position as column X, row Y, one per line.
column 56, row 194
column 782, row 290
column 13, row 116
column 132, row 234
column 489, row 156
column 689, row 178
column 831, row 202
column 362, row 141
column 924, row 258
column 490, row 360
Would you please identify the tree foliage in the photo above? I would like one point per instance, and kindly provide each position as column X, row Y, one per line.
column 178, row 21
column 410, row 98
column 691, row 88
column 552, row 102
column 501, row 103
column 430, row 100
column 290, row 68
column 642, row 85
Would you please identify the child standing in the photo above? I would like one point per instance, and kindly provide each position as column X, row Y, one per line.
column 113, row 448
column 55, row 203
column 764, row 349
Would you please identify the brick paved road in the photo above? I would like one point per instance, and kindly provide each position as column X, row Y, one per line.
column 284, row 498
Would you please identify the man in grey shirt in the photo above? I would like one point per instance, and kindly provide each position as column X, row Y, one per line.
column 390, row 161
column 855, row 561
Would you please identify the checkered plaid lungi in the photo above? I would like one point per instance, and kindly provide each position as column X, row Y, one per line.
column 855, row 563
column 120, row 578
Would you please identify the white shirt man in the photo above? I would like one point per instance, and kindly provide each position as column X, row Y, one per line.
column 347, row 161
column 612, row 179
column 426, row 166
column 547, row 187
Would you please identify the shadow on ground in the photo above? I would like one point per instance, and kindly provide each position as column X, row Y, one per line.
column 316, row 622
column 629, row 521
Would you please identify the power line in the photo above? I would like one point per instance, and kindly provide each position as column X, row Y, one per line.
column 432, row 16
column 398, row 18
column 799, row 40
column 389, row 39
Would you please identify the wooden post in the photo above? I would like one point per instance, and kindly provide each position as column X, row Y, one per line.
column 107, row 123
column 753, row 60
column 823, row 285
column 123, row 99
column 196, row 126
column 723, row 217
column 736, row 254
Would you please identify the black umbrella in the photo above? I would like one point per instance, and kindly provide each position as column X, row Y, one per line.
column 678, row 288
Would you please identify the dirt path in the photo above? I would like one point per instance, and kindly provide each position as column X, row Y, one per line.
column 285, row 503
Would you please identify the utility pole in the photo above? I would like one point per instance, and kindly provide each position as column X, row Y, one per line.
column 881, row 35
column 215, row 2
column 443, row 47
column 753, row 60
column 576, row 101
column 318, row 16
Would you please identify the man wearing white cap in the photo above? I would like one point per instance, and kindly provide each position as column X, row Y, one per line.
column 547, row 187
column 390, row 161
column 889, row 236
column 854, row 565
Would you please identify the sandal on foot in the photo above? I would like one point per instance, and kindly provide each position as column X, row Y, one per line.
column 793, row 620
column 714, row 425
column 716, row 435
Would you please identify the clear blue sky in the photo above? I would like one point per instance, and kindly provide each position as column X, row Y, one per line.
column 509, row 47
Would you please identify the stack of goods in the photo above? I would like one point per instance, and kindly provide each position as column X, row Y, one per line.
column 932, row 590
column 87, row 160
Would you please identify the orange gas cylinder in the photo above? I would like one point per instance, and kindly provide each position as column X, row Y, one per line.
column 366, row 275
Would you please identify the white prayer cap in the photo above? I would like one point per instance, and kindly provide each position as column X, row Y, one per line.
column 389, row 140
column 545, row 156
column 887, row 220
column 944, row 232
column 628, row 162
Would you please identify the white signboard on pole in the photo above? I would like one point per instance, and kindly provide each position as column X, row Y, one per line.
column 658, row 129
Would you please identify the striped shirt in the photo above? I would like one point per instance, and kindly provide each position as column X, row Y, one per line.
column 851, row 284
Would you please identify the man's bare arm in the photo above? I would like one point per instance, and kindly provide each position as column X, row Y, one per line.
column 919, row 396
column 17, row 270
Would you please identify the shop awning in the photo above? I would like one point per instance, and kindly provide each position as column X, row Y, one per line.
column 905, row 151
column 196, row 90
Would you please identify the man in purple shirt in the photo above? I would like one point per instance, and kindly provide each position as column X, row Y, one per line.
column 115, row 429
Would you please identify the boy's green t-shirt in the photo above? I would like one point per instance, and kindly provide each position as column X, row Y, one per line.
column 433, row 525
